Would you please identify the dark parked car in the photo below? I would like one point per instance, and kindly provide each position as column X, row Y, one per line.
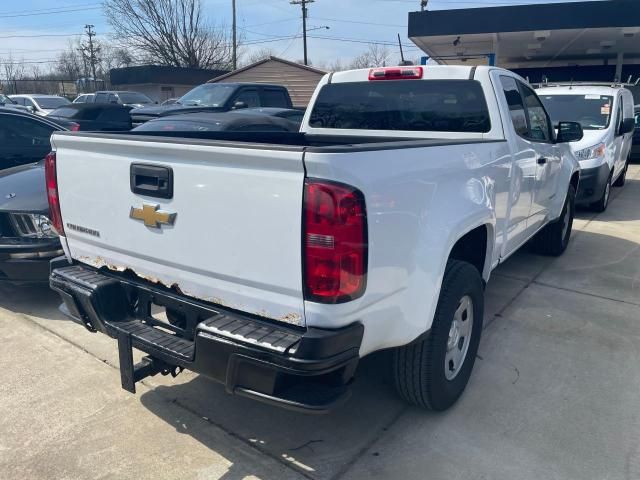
column 635, row 148
column 218, row 97
column 94, row 117
column 27, row 242
column 238, row 121
column 24, row 138
column 128, row 99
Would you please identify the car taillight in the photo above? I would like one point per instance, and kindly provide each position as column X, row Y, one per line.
column 75, row 127
column 51, row 180
column 395, row 73
column 334, row 242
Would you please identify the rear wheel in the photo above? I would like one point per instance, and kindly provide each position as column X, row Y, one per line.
column 554, row 238
column 433, row 372
column 602, row 204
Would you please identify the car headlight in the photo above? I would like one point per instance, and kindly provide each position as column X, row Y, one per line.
column 591, row 152
column 32, row 225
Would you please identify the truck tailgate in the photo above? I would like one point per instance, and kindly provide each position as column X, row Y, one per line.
column 235, row 239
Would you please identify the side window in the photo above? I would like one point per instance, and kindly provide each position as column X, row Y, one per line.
column 250, row 97
column 19, row 101
column 28, row 102
column 272, row 97
column 100, row 98
column 516, row 105
column 539, row 124
column 112, row 98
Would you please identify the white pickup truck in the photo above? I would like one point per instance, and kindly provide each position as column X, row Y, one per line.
column 273, row 262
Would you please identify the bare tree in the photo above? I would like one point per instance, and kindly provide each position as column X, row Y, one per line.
column 171, row 32
column 257, row 55
column 14, row 70
column 374, row 56
column 335, row 65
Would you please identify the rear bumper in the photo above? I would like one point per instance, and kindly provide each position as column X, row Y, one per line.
column 27, row 261
column 592, row 183
column 300, row 369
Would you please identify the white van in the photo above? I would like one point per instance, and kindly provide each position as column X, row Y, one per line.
column 607, row 118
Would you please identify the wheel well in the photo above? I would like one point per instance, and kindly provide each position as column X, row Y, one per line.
column 472, row 248
column 575, row 178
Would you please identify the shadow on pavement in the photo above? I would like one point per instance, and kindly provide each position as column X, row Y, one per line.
column 319, row 446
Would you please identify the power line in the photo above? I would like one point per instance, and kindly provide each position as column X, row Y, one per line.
column 74, row 5
column 51, row 12
column 44, row 35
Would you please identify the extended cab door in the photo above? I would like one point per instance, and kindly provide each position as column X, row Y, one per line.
column 524, row 165
column 548, row 160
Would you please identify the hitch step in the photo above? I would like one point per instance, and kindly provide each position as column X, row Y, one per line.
column 130, row 374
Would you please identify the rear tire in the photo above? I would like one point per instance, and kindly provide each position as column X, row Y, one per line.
column 433, row 372
column 602, row 204
column 554, row 238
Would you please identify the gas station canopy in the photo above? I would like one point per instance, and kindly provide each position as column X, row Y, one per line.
column 525, row 36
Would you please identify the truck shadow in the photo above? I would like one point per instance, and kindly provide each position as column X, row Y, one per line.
column 318, row 446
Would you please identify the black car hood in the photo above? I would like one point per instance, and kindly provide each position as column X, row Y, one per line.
column 162, row 110
column 22, row 189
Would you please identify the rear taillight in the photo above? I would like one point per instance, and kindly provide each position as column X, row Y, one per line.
column 334, row 242
column 51, row 179
column 395, row 73
column 75, row 127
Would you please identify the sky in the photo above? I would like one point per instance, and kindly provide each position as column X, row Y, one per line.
column 38, row 30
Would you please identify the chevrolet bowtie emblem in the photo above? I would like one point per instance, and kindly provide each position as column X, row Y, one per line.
column 152, row 216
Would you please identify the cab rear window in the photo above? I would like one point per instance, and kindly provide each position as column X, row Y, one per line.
column 410, row 105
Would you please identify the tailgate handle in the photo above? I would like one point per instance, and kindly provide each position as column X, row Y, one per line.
column 151, row 180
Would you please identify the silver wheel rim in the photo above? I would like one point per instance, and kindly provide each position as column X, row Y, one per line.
column 459, row 338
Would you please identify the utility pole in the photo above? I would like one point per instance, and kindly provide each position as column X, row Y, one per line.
column 423, row 4
column 93, row 50
column 235, row 38
column 303, row 4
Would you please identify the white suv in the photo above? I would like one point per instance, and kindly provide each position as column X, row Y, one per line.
column 606, row 116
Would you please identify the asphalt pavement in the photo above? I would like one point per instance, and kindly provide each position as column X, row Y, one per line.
column 554, row 393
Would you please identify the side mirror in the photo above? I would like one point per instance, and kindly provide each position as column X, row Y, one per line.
column 31, row 108
column 569, row 132
column 628, row 126
column 239, row 105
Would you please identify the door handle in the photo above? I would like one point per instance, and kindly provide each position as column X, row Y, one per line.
column 151, row 180
column 542, row 160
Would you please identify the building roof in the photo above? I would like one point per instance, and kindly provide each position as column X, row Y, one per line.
column 162, row 74
column 538, row 32
column 265, row 60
